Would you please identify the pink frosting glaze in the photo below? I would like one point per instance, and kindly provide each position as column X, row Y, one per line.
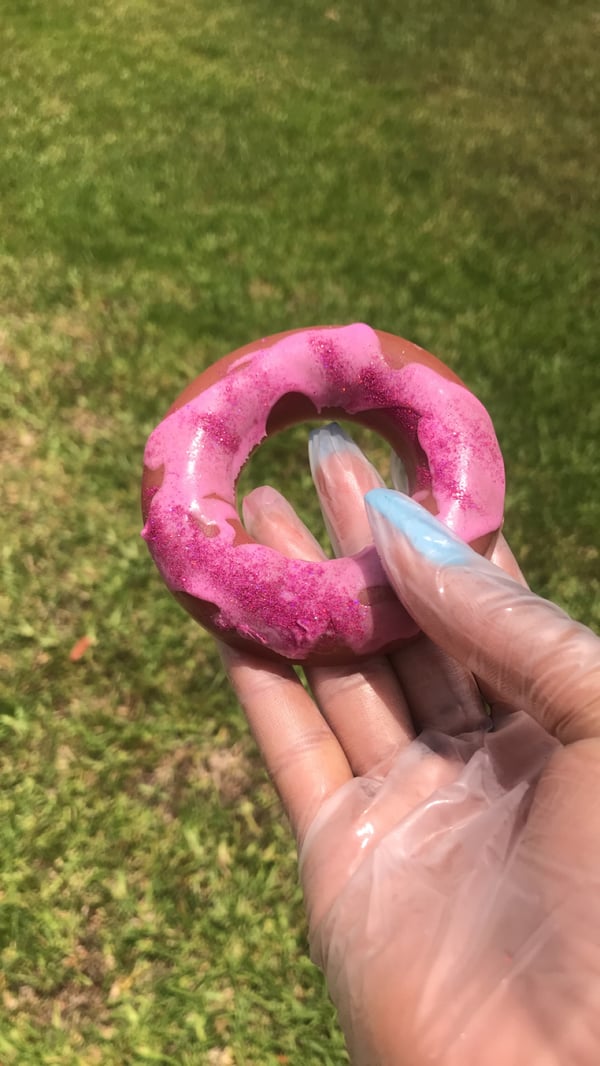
column 300, row 609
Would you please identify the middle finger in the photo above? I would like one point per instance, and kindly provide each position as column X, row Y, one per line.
column 363, row 703
column 437, row 692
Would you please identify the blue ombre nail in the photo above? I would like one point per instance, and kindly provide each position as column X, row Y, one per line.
column 327, row 441
column 391, row 512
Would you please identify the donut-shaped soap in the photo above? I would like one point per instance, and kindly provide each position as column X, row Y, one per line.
column 250, row 595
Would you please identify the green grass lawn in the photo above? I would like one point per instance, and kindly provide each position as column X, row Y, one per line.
column 177, row 178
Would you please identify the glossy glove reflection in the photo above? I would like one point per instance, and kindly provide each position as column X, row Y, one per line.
column 451, row 881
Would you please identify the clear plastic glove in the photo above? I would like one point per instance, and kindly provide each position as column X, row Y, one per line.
column 450, row 860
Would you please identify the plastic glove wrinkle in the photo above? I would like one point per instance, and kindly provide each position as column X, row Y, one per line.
column 450, row 857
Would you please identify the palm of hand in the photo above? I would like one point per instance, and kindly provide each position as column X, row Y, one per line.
column 473, row 916
column 451, row 881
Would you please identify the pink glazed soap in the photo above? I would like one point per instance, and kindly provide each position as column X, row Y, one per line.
column 255, row 598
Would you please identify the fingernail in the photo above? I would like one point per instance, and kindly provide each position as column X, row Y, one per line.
column 342, row 475
column 262, row 499
column 332, row 443
column 326, row 442
column 398, row 473
column 271, row 520
column 391, row 513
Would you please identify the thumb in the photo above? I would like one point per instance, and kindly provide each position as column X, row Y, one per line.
column 527, row 651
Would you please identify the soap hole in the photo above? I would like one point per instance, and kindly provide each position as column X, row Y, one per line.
column 281, row 461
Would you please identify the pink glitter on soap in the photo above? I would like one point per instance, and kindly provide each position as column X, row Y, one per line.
column 332, row 362
column 220, row 430
column 374, row 387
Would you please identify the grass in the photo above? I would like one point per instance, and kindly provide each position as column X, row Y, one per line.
column 176, row 179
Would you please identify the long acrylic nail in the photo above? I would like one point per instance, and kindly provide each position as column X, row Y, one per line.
column 271, row 520
column 392, row 513
column 330, row 442
column 398, row 474
column 260, row 500
column 342, row 475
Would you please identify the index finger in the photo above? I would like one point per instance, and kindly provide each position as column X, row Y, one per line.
column 526, row 650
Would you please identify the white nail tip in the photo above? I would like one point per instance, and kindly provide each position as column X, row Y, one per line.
column 327, row 441
column 398, row 473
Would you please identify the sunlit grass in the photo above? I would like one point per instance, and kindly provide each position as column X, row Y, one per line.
column 175, row 180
